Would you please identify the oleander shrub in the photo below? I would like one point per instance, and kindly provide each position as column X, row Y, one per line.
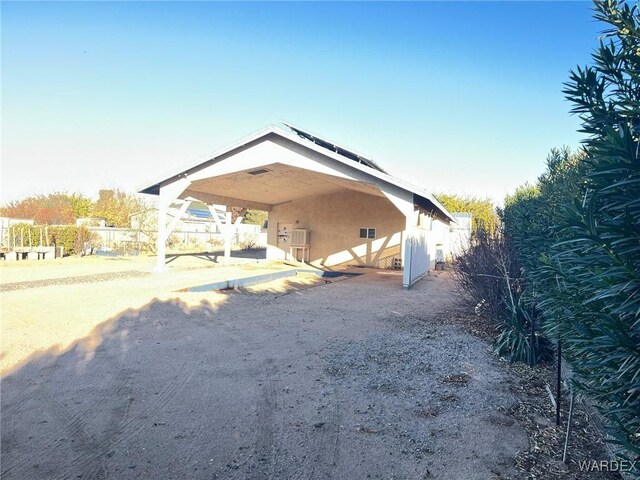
column 577, row 231
column 491, row 275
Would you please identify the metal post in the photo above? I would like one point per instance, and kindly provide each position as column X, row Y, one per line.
column 566, row 439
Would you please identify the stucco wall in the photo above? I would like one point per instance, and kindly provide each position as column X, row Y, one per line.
column 335, row 221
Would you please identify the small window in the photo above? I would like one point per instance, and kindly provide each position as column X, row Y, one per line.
column 367, row 233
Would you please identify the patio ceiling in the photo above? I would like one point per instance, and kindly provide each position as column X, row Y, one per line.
column 270, row 185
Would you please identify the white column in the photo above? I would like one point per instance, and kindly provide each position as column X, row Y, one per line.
column 406, row 251
column 403, row 201
column 162, row 237
column 168, row 193
column 228, row 231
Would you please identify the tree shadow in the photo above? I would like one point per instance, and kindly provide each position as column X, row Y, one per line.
column 138, row 379
column 218, row 256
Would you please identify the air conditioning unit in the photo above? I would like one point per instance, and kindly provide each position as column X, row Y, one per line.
column 300, row 237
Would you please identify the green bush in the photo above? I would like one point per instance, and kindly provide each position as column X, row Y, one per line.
column 64, row 236
column 520, row 339
column 595, row 305
column 492, row 276
column 73, row 239
column 577, row 232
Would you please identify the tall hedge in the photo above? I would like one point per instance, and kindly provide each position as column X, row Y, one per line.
column 581, row 247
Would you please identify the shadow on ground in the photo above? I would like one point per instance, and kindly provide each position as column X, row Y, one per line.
column 333, row 382
column 218, row 256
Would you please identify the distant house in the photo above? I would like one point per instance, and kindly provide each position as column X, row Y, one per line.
column 196, row 218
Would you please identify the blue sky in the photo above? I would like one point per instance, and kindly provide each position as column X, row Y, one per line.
column 455, row 97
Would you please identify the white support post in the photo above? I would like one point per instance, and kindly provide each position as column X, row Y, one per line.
column 411, row 221
column 162, row 237
column 405, row 252
column 405, row 205
column 216, row 218
column 174, row 221
column 227, row 237
column 167, row 195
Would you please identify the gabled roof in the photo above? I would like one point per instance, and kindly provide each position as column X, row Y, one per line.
column 334, row 148
column 421, row 196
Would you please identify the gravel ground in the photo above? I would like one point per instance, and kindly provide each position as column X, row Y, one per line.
column 355, row 379
column 50, row 282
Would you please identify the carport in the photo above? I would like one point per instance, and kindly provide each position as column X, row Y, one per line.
column 327, row 205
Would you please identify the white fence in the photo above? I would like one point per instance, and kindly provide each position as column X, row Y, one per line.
column 126, row 240
column 417, row 250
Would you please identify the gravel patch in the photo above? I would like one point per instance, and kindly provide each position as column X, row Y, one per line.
column 431, row 392
column 98, row 277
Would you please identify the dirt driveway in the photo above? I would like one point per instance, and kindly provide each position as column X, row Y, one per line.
column 349, row 380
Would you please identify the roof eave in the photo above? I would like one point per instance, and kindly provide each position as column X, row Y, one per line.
column 154, row 188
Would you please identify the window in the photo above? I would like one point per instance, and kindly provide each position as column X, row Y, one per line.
column 367, row 233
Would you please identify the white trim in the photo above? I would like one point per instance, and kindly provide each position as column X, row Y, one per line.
column 184, row 171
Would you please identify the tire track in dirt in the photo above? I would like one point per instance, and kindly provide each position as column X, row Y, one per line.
column 269, row 403
column 77, row 424
column 122, row 423
column 47, row 367
column 123, row 386
column 324, row 439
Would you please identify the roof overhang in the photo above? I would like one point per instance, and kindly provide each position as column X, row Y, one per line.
column 264, row 183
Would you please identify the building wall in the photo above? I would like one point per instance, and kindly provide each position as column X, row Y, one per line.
column 335, row 221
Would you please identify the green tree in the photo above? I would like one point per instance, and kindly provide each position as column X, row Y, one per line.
column 116, row 207
column 531, row 214
column 81, row 206
column 482, row 209
column 256, row 217
column 52, row 209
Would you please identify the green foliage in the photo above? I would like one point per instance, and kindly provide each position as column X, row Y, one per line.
column 25, row 235
column 74, row 240
column 491, row 275
column 578, row 233
column 116, row 206
column 532, row 212
column 597, row 267
column 521, row 339
column 81, row 206
column 59, row 208
column 52, row 209
column 85, row 240
column 482, row 209
column 255, row 217
column 64, row 236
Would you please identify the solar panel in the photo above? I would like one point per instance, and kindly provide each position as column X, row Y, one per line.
column 334, row 148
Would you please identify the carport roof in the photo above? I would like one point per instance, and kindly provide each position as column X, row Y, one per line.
column 422, row 198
